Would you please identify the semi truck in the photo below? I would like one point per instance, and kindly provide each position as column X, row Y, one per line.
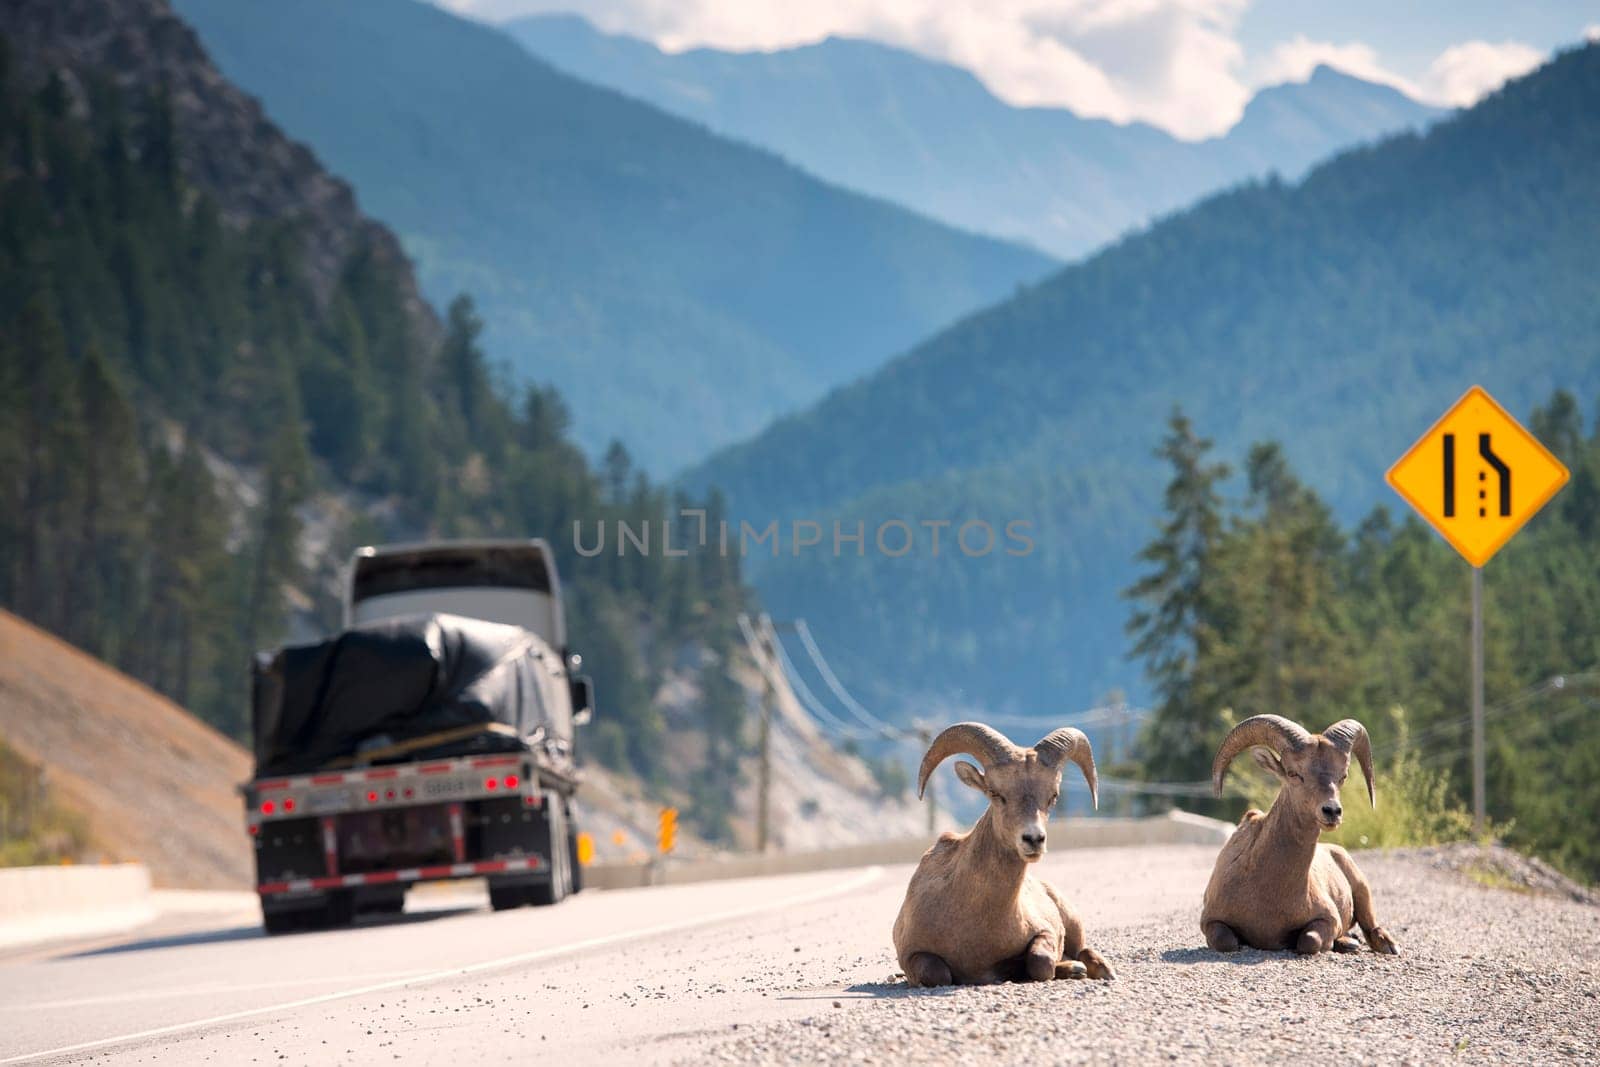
column 431, row 739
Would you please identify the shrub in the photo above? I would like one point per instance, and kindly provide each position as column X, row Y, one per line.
column 34, row 830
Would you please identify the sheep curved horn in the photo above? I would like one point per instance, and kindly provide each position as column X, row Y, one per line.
column 1070, row 744
column 984, row 743
column 1350, row 737
column 1273, row 731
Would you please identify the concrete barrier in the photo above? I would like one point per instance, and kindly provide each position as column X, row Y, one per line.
column 1173, row 828
column 46, row 903
column 39, row 904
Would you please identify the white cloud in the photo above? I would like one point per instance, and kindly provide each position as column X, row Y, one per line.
column 1174, row 63
column 1591, row 32
column 1465, row 73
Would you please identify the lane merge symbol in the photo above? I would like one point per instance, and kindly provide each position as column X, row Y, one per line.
column 1513, row 475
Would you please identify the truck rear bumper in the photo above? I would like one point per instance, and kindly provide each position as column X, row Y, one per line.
column 529, row 865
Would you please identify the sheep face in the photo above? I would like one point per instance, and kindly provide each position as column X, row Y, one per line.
column 1311, row 779
column 1021, row 794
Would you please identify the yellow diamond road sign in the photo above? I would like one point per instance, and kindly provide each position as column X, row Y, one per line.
column 1477, row 476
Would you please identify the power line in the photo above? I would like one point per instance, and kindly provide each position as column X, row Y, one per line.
column 1104, row 713
column 832, row 680
column 808, row 699
column 1429, row 758
column 1201, row 789
column 1092, row 716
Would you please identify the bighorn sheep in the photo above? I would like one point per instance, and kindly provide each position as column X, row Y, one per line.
column 972, row 913
column 1275, row 886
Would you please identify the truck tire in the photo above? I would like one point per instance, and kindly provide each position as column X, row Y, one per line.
column 506, row 897
column 547, row 893
column 386, row 900
column 339, row 911
column 576, row 881
column 278, row 923
column 554, row 891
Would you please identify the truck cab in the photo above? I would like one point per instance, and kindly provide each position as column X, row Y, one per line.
column 511, row 582
column 498, row 580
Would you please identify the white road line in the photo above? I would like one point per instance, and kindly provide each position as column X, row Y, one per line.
column 201, row 990
column 864, row 878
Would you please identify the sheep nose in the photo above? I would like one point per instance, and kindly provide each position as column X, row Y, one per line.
column 1034, row 839
column 1331, row 811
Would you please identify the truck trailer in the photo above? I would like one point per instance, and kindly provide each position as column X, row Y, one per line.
column 431, row 739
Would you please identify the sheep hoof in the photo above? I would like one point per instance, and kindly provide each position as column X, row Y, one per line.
column 1071, row 969
column 1382, row 943
column 926, row 969
column 1221, row 938
column 1096, row 965
column 1346, row 944
column 1309, row 943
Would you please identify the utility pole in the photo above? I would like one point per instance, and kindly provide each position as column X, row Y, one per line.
column 769, row 695
column 1477, row 703
column 759, row 639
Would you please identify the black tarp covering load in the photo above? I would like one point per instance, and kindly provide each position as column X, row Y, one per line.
column 398, row 680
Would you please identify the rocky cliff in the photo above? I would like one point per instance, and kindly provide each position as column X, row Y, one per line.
column 227, row 145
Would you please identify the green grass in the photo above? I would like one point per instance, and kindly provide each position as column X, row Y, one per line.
column 34, row 830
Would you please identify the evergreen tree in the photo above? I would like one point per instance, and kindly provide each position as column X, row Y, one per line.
column 109, row 527
column 1176, row 611
column 174, row 390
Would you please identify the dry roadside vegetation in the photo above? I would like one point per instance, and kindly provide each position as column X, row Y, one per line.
column 144, row 779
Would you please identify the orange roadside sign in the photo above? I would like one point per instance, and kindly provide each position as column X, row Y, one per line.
column 1477, row 476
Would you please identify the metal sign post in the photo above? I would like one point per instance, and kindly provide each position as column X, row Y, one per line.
column 1477, row 702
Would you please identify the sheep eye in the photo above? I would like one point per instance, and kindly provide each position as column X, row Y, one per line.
column 1054, row 799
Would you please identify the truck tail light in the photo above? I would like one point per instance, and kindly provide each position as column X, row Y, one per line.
column 491, row 784
column 268, row 807
column 372, row 796
column 511, row 781
column 288, row 803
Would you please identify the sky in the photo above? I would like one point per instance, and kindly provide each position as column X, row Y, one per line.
column 1188, row 66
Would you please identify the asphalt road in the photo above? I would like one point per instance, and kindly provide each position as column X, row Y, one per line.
column 800, row 968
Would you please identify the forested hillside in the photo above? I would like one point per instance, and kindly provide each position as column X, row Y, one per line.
column 931, row 136
column 1267, row 604
column 1339, row 316
column 182, row 392
column 682, row 289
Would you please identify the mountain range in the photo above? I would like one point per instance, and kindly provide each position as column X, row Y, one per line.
column 217, row 379
column 1339, row 315
column 931, row 136
column 681, row 288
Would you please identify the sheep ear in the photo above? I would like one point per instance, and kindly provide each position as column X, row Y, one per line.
column 970, row 775
column 1268, row 761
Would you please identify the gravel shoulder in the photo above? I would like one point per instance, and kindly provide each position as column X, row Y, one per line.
column 1500, row 964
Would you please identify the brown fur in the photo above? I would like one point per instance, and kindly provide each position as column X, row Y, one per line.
column 1275, row 886
column 972, row 913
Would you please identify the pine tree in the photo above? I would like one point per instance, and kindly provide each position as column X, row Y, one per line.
column 1175, row 618
column 108, row 529
column 275, row 563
